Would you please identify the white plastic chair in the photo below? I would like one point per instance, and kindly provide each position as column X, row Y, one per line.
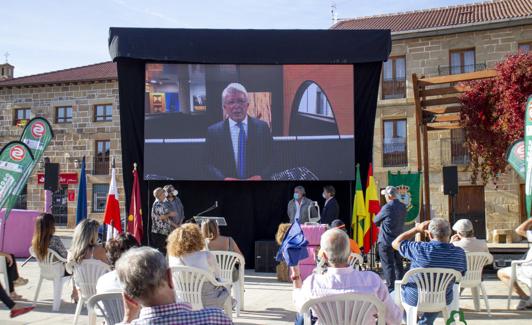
column 355, row 261
column 3, row 270
column 52, row 268
column 473, row 277
column 524, row 277
column 86, row 275
column 345, row 309
column 227, row 261
column 188, row 283
column 431, row 285
column 109, row 304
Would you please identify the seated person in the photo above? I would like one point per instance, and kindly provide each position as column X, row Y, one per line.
column 436, row 253
column 115, row 248
column 352, row 244
column 465, row 238
column 149, row 296
column 185, row 248
column 13, row 278
column 15, row 309
column 340, row 278
column 522, row 271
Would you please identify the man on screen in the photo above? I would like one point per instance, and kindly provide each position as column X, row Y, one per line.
column 238, row 148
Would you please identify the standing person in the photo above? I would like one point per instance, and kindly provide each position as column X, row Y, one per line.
column 171, row 197
column 331, row 209
column 239, row 147
column 391, row 220
column 298, row 207
column 161, row 225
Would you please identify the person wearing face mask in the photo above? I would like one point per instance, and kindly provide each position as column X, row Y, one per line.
column 331, row 209
column 177, row 205
column 298, row 207
column 161, row 223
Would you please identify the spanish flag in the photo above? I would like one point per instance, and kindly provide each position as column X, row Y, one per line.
column 373, row 207
column 360, row 221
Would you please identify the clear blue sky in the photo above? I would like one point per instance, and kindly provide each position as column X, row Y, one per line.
column 46, row 35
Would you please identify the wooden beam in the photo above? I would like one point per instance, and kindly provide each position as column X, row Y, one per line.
column 440, row 101
column 443, row 126
column 458, row 77
column 443, row 109
column 443, row 91
column 426, row 172
column 438, row 118
column 417, row 101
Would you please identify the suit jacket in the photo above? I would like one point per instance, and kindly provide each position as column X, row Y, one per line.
column 330, row 211
column 220, row 159
column 303, row 214
column 391, row 219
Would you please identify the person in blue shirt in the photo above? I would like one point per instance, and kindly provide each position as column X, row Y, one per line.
column 391, row 220
column 438, row 252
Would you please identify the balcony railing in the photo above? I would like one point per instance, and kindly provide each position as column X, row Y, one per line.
column 394, row 154
column 444, row 70
column 454, row 151
column 393, row 89
column 101, row 166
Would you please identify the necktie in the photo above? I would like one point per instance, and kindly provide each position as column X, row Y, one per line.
column 241, row 151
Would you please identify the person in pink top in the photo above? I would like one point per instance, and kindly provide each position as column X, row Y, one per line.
column 340, row 278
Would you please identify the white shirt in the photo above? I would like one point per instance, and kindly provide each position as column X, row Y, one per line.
column 298, row 209
column 327, row 201
column 204, row 260
column 108, row 282
column 235, row 133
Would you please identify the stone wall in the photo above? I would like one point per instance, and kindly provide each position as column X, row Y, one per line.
column 72, row 140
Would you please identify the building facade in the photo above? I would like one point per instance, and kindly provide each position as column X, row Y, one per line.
column 436, row 42
column 82, row 107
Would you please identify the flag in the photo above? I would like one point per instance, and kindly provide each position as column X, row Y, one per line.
column 81, row 210
column 134, row 219
column 294, row 246
column 528, row 156
column 360, row 220
column 111, row 216
column 409, row 188
column 373, row 207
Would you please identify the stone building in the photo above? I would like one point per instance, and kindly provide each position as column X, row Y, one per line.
column 436, row 42
column 82, row 107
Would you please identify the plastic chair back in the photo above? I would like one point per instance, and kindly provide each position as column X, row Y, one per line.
column 86, row 276
column 475, row 265
column 355, row 261
column 110, row 305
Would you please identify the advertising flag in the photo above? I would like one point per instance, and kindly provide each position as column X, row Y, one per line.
column 134, row 219
column 373, row 207
column 515, row 156
column 15, row 159
column 360, row 221
column 408, row 185
column 81, row 209
column 528, row 155
column 111, row 216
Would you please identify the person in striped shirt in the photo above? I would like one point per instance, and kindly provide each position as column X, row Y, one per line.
column 149, row 296
column 438, row 252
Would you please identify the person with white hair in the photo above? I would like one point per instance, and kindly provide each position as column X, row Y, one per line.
column 239, row 147
column 298, row 207
column 341, row 278
column 149, row 296
column 437, row 253
column 465, row 238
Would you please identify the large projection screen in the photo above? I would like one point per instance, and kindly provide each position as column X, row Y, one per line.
column 249, row 122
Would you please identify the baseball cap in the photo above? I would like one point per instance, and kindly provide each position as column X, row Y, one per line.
column 463, row 225
column 390, row 191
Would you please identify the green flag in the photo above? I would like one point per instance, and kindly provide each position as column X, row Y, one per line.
column 516, row 157
column 408, row 186
column 15, row 159
column 528, row 155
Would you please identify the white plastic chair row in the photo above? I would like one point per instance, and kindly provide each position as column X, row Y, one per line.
column 86, row 275
column 345, row 309
column 227, row 261
column 355, row 261
column 524, row 278
column 473, row 277
column 109, row 304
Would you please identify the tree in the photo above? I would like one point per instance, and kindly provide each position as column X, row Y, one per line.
column 493, row 114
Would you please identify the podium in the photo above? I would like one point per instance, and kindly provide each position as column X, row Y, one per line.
column 219, row 220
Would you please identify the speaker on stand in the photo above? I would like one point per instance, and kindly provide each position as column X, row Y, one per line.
column 450, row 187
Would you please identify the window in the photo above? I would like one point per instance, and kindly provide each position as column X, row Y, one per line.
column 394, row 143
column 99, row 197
column 394, row 78
column 314, row 102
column 524, row 47
column 101, row 158
column 459, row 150
column 22, row 116
column 462, row 61
column 63, row 114
column 103, row 113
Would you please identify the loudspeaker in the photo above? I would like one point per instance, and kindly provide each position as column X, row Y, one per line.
column 51, row 176
column 450, row 180
column 265, row 251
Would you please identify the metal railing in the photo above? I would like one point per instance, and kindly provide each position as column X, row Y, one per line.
column 393, row 89
column 454, row 151
column 394, row 154
column 101, row 166
column 444, row 70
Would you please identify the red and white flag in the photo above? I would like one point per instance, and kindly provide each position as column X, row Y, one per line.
column 112, row 209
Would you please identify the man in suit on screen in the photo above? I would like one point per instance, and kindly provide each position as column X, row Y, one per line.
column 238, row 148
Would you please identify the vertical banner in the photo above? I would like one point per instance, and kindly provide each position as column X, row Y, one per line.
column 515, row 156
column 528, row 154
column 408, row 185
column 15, row 159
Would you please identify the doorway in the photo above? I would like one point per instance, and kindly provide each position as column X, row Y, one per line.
column 469, row 204
column 60, row 206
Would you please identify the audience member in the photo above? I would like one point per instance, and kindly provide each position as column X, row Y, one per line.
column 339, row 224
column 185, row 248
column 340, row 278
column 115, row 248
column 437, row 253
column 162, row 224
column 391, row 220
column 465, row 237
column 16, row 310
column 149, row 296
column 331, row 209
column 298, row 207
column 13, row 278
column 522, row 271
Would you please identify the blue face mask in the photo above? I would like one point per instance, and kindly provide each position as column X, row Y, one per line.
column 296, row 196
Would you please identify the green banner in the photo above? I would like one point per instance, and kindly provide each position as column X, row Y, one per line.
column 408, row 186
column 516, row 157
column 15, row 159
column 528, row 155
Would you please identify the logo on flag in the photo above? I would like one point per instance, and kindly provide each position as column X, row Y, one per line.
column 404, row 196
column 38, row 129
column 17, row 153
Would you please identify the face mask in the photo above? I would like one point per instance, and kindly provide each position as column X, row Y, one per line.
column 296, row 196
column 174, row 193
column 165, row 194
column 324, row 196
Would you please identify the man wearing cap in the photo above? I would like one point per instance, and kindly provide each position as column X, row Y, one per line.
column 391, row 220
column 465, row 237
column 175, row 202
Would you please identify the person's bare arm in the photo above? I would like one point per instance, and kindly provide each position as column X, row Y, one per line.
column 420, row 227
column 522, row 228
column 235, row 246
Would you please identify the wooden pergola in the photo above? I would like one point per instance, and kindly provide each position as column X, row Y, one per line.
column 437, row 108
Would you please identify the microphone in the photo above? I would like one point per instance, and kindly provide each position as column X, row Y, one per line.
column 215, row 204
column 212, row 207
